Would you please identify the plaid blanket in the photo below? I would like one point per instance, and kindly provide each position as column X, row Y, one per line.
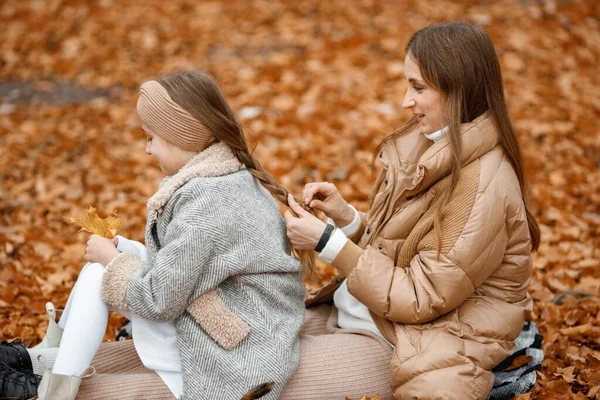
column 516, row 375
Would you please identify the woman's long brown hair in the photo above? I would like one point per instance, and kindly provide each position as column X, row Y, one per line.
column 459, row 60
column 197, row 93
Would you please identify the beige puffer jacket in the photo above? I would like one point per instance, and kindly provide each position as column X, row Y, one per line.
column 454, row 317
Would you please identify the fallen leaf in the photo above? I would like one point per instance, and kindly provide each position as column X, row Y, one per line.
column 92, row 223
column 519, row 361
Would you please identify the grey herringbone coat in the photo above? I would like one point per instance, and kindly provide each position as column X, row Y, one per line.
column 219, row 267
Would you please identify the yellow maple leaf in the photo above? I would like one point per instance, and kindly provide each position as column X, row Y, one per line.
column 92, row 223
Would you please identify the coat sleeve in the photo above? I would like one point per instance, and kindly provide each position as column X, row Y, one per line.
column 159, row 291
column 431, row 286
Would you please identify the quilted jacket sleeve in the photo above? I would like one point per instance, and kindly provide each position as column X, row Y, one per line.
column 473, row 247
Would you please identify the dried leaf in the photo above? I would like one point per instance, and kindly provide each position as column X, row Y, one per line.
column 317, row 95
column 92, row 223
column 519, row 361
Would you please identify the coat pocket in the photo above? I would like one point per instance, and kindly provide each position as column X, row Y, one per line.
column 226, row 328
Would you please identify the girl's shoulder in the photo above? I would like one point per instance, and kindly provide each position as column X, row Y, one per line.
column 237, row 188
column 239, row 181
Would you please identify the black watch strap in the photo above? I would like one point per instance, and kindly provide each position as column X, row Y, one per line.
column 324, row 238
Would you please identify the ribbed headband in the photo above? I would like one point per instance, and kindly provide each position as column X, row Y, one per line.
column 168, row 120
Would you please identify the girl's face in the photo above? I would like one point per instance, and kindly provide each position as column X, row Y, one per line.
column 169, row 157
column 424, row 101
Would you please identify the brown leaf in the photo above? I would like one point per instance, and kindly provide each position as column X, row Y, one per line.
column 92, row 223
column 519, row 361
column 586, row 329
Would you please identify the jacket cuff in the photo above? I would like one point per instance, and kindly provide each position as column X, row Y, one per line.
column 116, row 276
column 346, row 260
column 226, row 328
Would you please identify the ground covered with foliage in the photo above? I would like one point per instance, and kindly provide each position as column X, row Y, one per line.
column 318, row 84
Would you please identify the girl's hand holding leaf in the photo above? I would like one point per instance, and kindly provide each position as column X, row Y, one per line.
column 100, row 250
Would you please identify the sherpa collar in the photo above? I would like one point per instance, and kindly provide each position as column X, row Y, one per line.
column 216, row 160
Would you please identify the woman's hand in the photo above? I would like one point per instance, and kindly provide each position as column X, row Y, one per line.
column 332, row 203
column 305, row 230
column 101, row 250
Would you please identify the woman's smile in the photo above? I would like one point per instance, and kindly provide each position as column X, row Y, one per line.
column 420, row 95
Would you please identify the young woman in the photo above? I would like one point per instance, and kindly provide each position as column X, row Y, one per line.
column 215, row 297
column 440, row 264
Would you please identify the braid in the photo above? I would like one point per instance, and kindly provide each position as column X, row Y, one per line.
column 306, row 257
column 257, row 170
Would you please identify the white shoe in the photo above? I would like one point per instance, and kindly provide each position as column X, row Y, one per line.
column 53, row 332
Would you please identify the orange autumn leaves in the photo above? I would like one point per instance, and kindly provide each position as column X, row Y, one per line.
column 317, row 85
column 92, row 223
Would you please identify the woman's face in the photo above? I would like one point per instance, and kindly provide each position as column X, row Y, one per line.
column 424, row 101
column 169, row 158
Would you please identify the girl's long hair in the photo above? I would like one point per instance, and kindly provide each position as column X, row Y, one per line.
column 197, row 93
column 458, row 59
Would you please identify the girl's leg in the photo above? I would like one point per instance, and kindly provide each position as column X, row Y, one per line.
column 89, row 272
column 84, row 321
column 54, row 330
column 88, row 280
column 65, row 314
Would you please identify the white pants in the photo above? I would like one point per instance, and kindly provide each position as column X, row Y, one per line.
column 84, row 322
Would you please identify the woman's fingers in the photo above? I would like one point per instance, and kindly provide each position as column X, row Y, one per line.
column 318, row 205
column 287, row 215
column 295, row 207
column 310, row 190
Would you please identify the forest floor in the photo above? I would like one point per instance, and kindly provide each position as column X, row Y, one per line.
column 318, row 84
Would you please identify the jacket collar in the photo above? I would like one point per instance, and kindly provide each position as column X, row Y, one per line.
column 216, row 160
column 478, row 138
column 425, row 163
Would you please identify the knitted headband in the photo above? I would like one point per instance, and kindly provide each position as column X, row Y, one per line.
column 168, row 120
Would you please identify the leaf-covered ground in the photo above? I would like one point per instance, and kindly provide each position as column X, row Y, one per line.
column 318, row 84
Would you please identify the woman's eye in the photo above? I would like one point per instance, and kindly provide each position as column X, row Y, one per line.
column 418, row 89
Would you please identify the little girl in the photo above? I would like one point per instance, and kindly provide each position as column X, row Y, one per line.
column 215, row 298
